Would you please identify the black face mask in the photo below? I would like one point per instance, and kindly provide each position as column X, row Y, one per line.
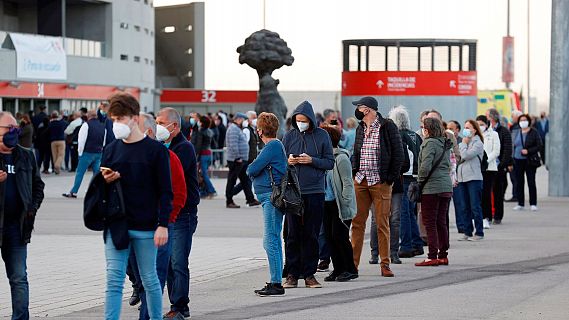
column 10, row 139
column 334, row 122
column 359, row 115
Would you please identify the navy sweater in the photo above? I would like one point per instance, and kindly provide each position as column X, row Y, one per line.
column 57, row 130
column 187, row 155
column 144, row 167
column 272, row 155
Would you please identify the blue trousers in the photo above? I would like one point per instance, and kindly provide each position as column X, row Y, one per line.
column 471, row 192
column 178, row 280
column 273, row 225
column 143, row 244
column 85, row 161
column 14, row 254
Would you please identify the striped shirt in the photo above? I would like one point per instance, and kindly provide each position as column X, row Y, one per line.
column 369, row 159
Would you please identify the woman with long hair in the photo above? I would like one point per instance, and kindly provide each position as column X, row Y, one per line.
column 527, row 144
column 470, row 179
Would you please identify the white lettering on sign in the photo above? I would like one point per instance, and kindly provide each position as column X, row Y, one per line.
column 452, row 84
column 41, row 92
column 466, row 83
column 10, row 169
column 208, row 96
column 401, row 83
column 379, row 84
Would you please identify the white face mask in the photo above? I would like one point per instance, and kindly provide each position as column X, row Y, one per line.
column 483, row 128
column 162, row 134
column 524, row 124
column 245, row 123
column 254, row 123
column 121, row 130
column 302, row 126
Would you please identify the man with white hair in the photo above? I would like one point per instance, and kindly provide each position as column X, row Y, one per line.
column 186, row 224
column 21, row 194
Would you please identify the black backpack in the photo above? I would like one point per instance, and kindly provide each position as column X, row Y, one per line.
column 286, row 196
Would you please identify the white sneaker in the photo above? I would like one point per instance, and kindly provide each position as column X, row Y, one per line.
column 464, row 238
column 476, row 238
column 486, row 223
column 533, row 208
column 519, row 208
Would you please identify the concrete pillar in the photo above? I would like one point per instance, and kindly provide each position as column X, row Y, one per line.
column 558, row 156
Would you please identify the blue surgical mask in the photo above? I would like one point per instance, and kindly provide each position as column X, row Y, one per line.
column 167, row 144
column 103, row 113
column 466, row 132
column 10, row 139
column 192, row 122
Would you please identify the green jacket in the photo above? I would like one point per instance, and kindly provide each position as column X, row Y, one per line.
column 343, row 184
column 440, row 181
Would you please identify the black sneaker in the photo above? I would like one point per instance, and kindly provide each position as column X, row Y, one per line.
column 417, row 252
column 134, row 299
column 374, row 260
column 331, row 277
column 232, row 205
column 70, row 195
column 271, row 289
column 323, row 266
column 395, row 260
column 406, row 254
column 347, row 276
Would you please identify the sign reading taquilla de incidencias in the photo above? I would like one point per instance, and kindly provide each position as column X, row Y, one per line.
column 39, row 57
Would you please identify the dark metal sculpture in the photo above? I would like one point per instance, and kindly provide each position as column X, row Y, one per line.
column 265, row 52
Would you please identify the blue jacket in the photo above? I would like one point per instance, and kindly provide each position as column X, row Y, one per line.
column 236, row 143
column 110, row 135
column 187, row 155
column 316, row 143
column 271, row 155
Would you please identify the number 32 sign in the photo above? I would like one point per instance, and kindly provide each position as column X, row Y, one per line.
column 208, row 96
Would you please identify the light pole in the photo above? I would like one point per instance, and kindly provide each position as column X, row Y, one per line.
column 529, row 91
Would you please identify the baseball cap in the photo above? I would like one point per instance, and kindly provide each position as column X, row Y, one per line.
column 240, row 115
column 369, row 102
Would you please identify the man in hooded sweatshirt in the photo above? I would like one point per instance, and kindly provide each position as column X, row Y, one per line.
column 309, row 149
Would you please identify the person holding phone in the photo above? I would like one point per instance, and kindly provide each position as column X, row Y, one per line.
column 142, row 165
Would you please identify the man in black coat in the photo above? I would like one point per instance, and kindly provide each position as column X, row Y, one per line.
column 504, row 161
column 377, row 160
column 21, row 194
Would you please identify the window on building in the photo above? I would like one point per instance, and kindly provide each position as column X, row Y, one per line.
column 124, row 25
column 189, row 27
column 169, row 29
column 136, row 59
column 189, row 51
column 146, row 30
column 151, row 62
column 146, row 60
column 124, row 57
column 137, row 28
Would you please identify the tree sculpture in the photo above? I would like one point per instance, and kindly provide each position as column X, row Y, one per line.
column 265, row 52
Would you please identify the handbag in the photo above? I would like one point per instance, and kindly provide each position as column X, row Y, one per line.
column 415, row 188
column 286, row 195
column 534, row 160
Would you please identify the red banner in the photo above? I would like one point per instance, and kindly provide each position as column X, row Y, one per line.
column 207, row 96
column 409, row 83
column 38, row 90
column 508, row 59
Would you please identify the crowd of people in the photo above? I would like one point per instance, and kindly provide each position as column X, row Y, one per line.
column 151, row 172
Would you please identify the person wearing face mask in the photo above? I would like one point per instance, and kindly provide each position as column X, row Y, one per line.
column 21, row 194
column 142, row 165
column 514, row 129
column 492, row 149
column 237, row 161
column 204, row 154
column 309, row 149
column 147, row 124
column 377, row 161
column 103, row 116
column 527, row 145
column 91, row 141
column 178, row 281
column 470, row 179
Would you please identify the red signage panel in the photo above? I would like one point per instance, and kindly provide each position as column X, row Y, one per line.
column 39, row 90
column 207, row 96
column 508, row 59
column 409, row 83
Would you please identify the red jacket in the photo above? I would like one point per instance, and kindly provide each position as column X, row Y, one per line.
column 178, row 186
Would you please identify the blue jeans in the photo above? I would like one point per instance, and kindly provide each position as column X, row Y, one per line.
column 14, row 254
column 409, row 229
column 471, row 192
column 205, row 162
column 85, row 161
column 323, row 249
column 459, row 211
column 143, row 244
column 178, row 279
column 273, row 225
column 162, row 261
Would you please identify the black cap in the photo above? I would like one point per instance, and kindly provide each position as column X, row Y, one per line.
column 369, row 102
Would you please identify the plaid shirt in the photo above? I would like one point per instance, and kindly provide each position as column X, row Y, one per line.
column 369, row 159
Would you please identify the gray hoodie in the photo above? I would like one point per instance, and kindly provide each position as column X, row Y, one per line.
column 471, row 154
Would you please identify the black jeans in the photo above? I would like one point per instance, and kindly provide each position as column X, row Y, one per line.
column 74, row 156
column 487, row 184
column 500, row 184
column 338, row 238
column 522, row 167
column 302, row 237
column 238, row 170
column 44, row 156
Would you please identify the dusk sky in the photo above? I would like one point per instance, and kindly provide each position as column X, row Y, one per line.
column 314, row 30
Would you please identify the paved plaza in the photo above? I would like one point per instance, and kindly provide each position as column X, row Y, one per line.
column 519, row 271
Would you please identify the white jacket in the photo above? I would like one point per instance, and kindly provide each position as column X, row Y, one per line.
column 492, row 148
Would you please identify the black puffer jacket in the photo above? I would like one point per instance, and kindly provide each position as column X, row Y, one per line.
column 30, row 187
column 391, row 150
column 505, row 157
column 203, row 140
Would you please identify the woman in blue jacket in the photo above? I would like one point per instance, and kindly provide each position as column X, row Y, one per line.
column 272, row 159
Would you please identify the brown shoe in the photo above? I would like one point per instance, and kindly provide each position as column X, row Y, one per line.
column 386, row 271
column 291, row 282
column 311, row 282
column 232, row 205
